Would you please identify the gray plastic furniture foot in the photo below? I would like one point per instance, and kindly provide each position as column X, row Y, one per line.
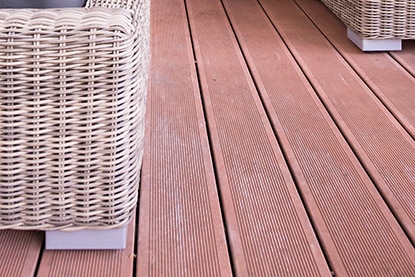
column 86, row 239
column 374, row 44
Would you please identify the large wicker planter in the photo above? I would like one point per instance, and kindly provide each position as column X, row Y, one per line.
column 73, row 88
column 377, row 19
column 41, row 3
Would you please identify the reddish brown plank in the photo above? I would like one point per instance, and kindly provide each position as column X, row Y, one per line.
column 407, row 56
column 386, row 78
column 268, row 228
column 360, row 235
column 19, row 252
column 90, row 263
column 384, row 147
column 171, row 237
column 181, row 229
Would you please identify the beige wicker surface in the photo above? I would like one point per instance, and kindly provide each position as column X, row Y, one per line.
column 377, row 19
column 73, row 87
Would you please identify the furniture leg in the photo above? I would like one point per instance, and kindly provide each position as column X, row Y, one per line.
column 87, row 239
column 374, row 44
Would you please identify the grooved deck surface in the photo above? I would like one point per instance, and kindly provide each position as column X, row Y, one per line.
column 19, row 252
column 90, row 263
column 274, row 147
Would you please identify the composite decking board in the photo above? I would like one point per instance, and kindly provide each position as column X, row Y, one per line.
column 383, row 146
column 268, row 228
column 181, row 231
column 387, row 79
column 373, row 131
column 407, row 56
column 19, row 252
column 347, row 210
column 90, row 263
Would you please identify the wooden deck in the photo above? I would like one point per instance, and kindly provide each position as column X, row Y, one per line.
column 274, row 147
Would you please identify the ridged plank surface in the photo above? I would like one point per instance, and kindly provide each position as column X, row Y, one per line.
column 407, row 57
column 349, row 214
column 90, row 263
column 259, row 199
column 368, row 240
column 19, row 252
column 181, row 229
column 386, row 78
column 269, row 232
column 384, row 147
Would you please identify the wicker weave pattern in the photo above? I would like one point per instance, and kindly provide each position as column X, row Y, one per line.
column 377, row 19
column 73, row 88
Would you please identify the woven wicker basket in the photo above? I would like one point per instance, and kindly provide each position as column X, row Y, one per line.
column 41, row 3
column 377, row 19
column 73, row 88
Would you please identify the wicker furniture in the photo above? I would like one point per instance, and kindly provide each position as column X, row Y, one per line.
column 41, row 3
column 376, row 21
column 73, row 88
